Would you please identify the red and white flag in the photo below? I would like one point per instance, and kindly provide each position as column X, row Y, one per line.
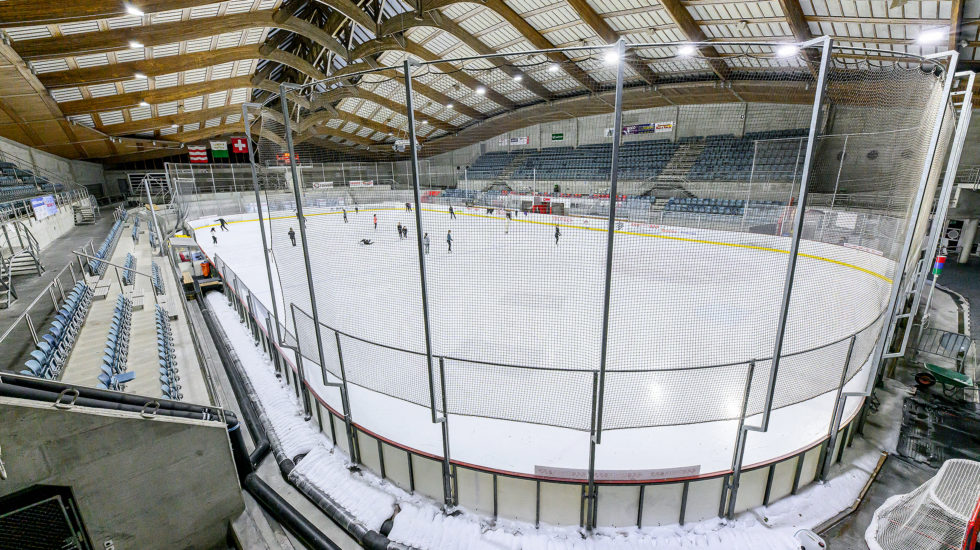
column 239, row 145
column 198, row 153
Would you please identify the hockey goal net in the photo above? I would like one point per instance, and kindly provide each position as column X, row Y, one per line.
column 940, row 514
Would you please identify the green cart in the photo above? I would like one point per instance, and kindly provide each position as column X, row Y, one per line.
column 951, row 380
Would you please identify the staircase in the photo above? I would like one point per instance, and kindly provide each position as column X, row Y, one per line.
column 681, row 163
column 85, row 214
column 7, row 293
column 511, row 167
column 20, row 254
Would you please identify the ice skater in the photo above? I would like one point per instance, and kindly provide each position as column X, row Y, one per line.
column 452, row 214
column 405, row 231
column 425, row 242
column 557, row 234
column 408, row 207
column 224, row 224
column 345, row 214
column 366, row 242
column 375, row 222
column 292, row 236
column 399, row 230
column 213, row 236
column 449, row 239
column 357, row 209
column 490, row 211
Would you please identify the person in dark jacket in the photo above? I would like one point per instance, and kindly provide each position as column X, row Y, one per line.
column 449, row 239
column 400, row 230
column 345, row 214
column 557, row 234
column 224, row 224
column 292, row 236
column 452, row 213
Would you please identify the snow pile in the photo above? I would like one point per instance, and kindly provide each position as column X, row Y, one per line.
column 328, row 472
column 296, row 436
column 426, row 527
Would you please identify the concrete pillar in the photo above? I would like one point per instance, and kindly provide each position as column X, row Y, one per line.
column 967, row 239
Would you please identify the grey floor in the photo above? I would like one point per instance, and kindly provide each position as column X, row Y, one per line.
column 54, row 257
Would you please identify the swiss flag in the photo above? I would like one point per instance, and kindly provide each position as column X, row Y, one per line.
column 239, row 145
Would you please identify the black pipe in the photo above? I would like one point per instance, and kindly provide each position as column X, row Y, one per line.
column 232, row 366
column 288, row 516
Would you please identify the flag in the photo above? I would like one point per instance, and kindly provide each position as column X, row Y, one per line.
column 198, row 153
column 239, row 145
column 219, row 149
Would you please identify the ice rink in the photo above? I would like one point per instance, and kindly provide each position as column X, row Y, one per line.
column 509, row 296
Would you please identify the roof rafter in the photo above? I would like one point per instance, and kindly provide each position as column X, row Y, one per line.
column 678, row 12
column 607, row 34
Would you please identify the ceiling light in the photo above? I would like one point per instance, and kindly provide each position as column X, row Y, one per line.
column 449, row 105
column 932, row 36
column 139, row 76
column 173, row 126
column 144, row 104
column 686, row 49
column 787, row 50
column 133, row 10
column 553, row 68
column 611, row 57
column 481, row 90
column 135, row 44
column 518, row 77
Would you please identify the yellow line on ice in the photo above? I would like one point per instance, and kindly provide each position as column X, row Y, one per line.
column 633, row 233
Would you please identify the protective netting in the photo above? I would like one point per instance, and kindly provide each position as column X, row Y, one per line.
column 514, row 229
column 935, row 516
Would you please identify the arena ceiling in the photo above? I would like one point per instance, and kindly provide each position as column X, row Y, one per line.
column 123, row 81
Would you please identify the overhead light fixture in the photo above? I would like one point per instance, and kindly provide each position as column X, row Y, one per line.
column 481, row 90
column 686, row 49
column 611, row 57
column 173, row 126
column 135, row 44
column 553, row 68
column 518, row 77
column 139, row 76
column 133, row 10
column 144, row 104
column 449, row 105
column 425, row 122
column 932, row 36
column 787, row 50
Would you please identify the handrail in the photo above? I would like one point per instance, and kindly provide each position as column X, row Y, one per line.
column 45, row 291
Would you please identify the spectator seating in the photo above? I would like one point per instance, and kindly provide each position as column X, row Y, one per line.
column 129, row 272
column 97, row 267
column 169, row 378
column 51, row 355
column 714, row 206
column 728, row 158
column 136, row 231
column 114, row 374
column 157, row 276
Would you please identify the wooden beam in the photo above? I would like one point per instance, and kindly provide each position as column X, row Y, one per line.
column 407, row 20
column 161, row 95
column 400, row 108
column 686, row 23
column 955, row 21
column 18, row 13
column 167, row 121
column 119, row 72
column 168, row 33
column 609, row 36
column 380, row 45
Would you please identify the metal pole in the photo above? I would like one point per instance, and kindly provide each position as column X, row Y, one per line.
column 837, row 416
column 258, row 208
column 879, row 349
column 153, row 211
column 739, row 436
column 301, row 221
column 410, row 112
column 956, row 151
column 613, row 180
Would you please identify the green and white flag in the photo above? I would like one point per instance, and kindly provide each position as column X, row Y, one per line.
column 219, row 149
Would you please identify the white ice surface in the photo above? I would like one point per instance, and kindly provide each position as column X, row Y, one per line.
column 420, row 524
column 519, row 446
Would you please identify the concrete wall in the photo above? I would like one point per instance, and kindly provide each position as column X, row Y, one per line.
column 139, row 483
column 51, row 166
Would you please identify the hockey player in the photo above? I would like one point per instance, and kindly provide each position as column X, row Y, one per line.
column 557, row 234
column 292, row 236
column 425, row 242
column 449, row 239
column 452, row 214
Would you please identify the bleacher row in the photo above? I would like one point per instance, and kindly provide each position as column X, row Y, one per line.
column 168, row 359
column 51, row 355
column 129, row 272
column 17, row 180
column 714, row 206
column 724, row 158
column 116, row 350
column 157, row 279
column 97, row 266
